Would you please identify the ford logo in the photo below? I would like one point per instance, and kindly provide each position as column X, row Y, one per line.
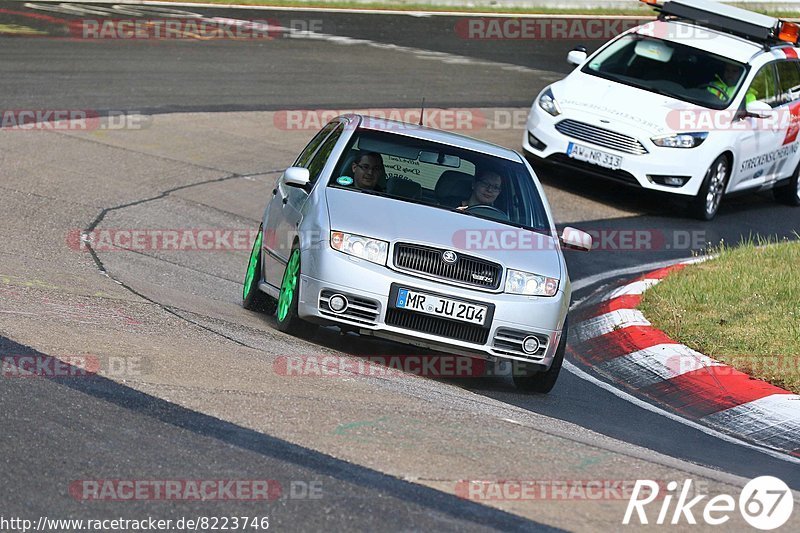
column 449, row 256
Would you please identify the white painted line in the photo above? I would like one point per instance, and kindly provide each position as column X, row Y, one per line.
column 420, row 53
column 675, row 418
column 597, row 278
column 356, row 10
column 631, row 289
column 655, row 364
column 774, row 420
column 606, row 323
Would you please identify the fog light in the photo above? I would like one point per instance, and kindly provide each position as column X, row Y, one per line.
column 535, row 143
column 337, row 303
column 530, row 344
column 670, row 181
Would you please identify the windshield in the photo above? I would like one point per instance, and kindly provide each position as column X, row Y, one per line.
column 441, row 176
column 669, row 68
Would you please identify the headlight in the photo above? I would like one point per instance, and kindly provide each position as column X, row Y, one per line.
column 518, row 282
column 370, row 249
column 548, row 102
column 680, row 140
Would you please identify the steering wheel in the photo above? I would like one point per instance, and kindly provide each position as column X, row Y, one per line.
column 716, row 91
column 489, row 211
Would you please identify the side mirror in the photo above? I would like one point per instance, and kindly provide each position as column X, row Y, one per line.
column 759, row 109
column 577, row 55
column 575, row 239
column 297, row 177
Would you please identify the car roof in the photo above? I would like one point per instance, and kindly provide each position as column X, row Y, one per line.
column 706, row 39
column 434, row 135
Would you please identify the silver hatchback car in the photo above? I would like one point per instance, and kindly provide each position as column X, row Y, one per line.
column 418, row 236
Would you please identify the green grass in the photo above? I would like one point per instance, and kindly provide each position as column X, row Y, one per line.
column 636, row 9
column 741, row 308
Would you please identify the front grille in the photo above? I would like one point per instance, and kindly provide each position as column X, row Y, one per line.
column 601, row 137
column 621, row 176
column 358, row 309
column 467, row 269
column 437, row 326
column 509, row 342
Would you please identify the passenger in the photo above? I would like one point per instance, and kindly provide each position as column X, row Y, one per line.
column 486, row 187
column 368, row 170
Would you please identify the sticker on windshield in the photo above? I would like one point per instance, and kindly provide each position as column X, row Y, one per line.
column 344, row 180
column 654, row 50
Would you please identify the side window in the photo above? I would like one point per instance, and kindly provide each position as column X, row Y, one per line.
column 318, row 162
column 789, row 76
column 764, row 87
column 309, row 150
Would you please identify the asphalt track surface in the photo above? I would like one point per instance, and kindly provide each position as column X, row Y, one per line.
column 56, row 431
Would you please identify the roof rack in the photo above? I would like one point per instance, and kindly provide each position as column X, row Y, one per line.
column 755, row 27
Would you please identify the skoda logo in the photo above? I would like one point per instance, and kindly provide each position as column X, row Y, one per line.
column 449, row 256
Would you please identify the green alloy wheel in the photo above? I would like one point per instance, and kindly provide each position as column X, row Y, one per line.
column 288, row 321
column 252, row 298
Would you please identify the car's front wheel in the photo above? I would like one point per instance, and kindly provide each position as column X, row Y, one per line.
column 526, row 380
column 706, row 204
column 789, row 194
column 252, row 298
column 288, row 320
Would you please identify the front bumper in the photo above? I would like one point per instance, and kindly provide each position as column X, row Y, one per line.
column 635, row 170
column 367, row 286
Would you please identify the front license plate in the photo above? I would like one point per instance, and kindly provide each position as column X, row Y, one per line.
column 595, row 157
column 444, row 307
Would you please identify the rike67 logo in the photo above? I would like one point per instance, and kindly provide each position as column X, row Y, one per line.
column 765, row 503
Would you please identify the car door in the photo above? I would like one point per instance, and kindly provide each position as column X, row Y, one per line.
column 760, row 138
column 789, row 114
column 284, row 211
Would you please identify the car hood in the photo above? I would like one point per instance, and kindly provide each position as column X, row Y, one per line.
column 617, row 106
column 401, row 221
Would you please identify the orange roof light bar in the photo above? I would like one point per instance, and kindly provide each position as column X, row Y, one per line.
column 650, row 2
column 788, row 31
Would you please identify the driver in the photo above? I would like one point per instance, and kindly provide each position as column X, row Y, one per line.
column 368, row 170
column 486, row 187
column 723, row 86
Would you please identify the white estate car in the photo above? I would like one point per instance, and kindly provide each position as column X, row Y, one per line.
column 702, row 102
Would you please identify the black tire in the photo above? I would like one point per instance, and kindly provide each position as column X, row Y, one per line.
column 538, row 381
column 252, row 297
column 789, row 193
column 287, row 318
column 706, row 204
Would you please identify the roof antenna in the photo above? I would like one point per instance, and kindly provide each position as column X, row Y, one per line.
column 422, row 111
